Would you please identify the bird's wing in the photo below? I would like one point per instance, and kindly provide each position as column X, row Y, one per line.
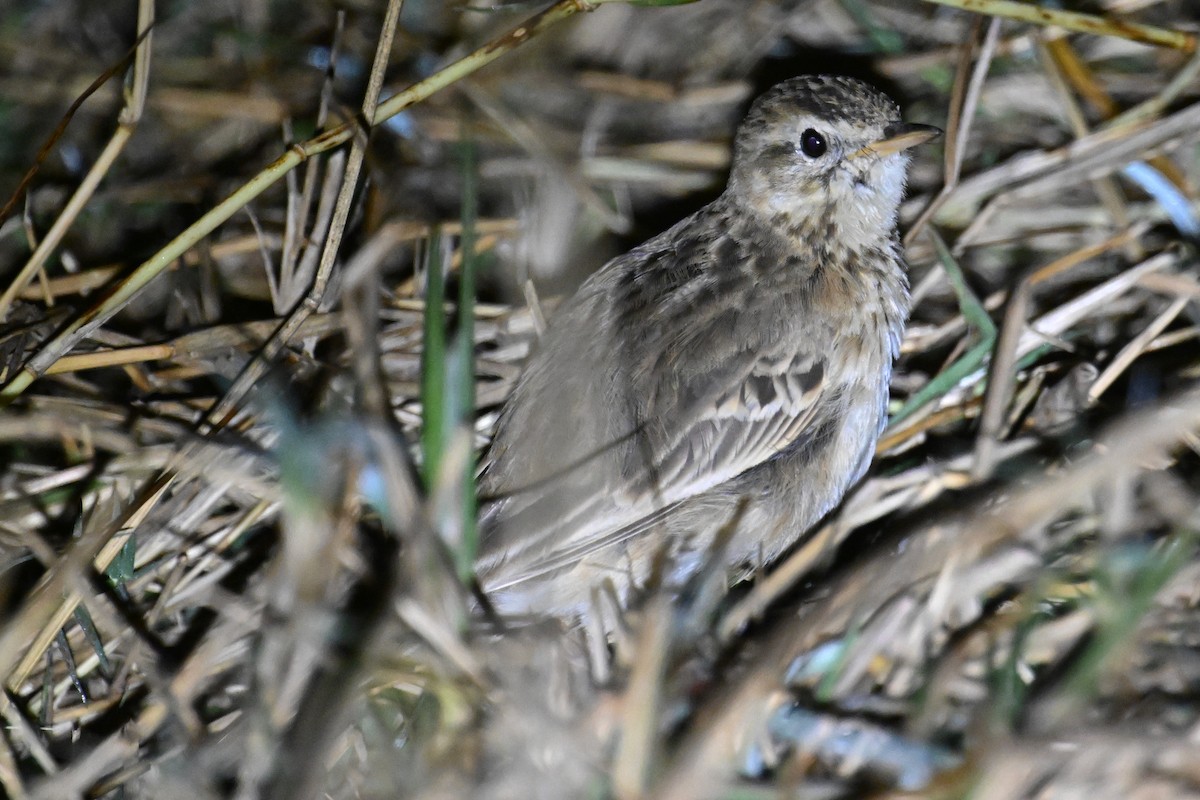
column 723, row 428
column 644, row 396
column 703, row 436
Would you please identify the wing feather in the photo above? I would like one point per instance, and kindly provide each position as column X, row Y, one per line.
column 774, row 404
column 702, row 401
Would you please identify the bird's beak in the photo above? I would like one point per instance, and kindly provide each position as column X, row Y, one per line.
column 899, row 136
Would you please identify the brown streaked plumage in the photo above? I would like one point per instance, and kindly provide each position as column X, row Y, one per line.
column 742, row 356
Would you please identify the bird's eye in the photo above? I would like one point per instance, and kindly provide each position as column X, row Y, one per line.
column 812, row 144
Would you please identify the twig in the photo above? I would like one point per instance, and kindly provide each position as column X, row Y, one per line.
column 963, row 103
column 1074, row 21
column 128, row 121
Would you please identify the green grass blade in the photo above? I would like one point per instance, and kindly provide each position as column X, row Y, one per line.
column 972, row 310
column 975, row 315
column 88, row 626
column 464, row 342
column 433, row 364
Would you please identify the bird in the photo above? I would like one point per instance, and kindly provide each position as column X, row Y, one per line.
column 729, row 377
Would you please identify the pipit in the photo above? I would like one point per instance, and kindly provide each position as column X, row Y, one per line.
column 730, row 374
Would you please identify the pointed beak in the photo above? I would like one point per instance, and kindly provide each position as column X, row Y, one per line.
column 899, row 136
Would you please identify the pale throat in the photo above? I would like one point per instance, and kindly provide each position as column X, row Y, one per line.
column 861, row 205
column 854, row 218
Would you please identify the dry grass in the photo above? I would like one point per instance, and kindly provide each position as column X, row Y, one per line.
column 223, row 576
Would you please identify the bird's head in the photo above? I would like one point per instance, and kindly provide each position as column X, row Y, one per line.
column 819, row 149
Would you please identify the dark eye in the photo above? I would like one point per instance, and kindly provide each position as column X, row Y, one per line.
column 812, row 144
